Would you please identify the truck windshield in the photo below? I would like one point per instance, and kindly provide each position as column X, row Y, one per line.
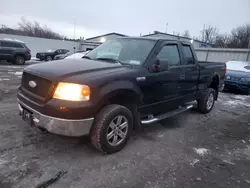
column 127, row 51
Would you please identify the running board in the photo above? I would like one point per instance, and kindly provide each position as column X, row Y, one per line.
column 168, row 114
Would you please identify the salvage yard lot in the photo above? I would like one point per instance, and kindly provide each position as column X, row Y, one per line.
column 188, row 150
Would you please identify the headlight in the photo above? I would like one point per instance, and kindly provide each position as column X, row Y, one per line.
column 72, row 92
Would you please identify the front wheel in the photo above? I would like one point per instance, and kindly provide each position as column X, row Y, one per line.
column 49, row 58
column 112, row 128
column 206, row 102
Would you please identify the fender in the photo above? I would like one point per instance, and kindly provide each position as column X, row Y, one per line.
column 119, row 86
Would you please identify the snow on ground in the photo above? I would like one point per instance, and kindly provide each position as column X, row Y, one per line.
column 18, row 73
column 233, row 100
column 194, row 162
column 201, row 151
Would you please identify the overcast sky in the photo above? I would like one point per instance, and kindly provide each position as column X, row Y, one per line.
column 130, row 17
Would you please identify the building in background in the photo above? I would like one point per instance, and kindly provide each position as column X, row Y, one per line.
column 41, row 44
column 195, row 43
column 91, row 43
column 103, row 38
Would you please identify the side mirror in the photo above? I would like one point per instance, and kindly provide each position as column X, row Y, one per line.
column 160, row 65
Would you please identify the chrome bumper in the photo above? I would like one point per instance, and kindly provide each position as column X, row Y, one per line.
column 59, row 126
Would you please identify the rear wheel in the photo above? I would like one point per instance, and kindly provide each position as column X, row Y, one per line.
column 206, row 102
column 19, row 60
column 112, row 128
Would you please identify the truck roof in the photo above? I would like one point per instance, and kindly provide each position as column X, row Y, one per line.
column 156, row 39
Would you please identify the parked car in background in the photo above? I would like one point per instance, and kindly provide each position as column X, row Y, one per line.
column 238, row 76
column 77, row 55
column 62, row 56
column 150, row 80
column 50, row 54
column 14, row 51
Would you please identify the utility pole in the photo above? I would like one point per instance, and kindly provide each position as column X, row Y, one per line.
column 74, row 36
column 167, row 28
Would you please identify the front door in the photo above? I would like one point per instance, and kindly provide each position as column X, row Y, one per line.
column 162, row 90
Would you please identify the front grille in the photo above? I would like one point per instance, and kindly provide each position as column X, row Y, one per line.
column 42, row 87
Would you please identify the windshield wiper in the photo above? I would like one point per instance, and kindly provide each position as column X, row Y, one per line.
column 109, row 59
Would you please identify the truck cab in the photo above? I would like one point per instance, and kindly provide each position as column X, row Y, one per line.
column 117, row 87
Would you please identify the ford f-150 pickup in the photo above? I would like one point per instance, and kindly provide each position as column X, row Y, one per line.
column 117, row 87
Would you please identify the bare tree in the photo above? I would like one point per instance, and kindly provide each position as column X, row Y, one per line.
column 186, row 34
column 29, row 28
column 222, row 41
column 240, row 37
column 209, row 34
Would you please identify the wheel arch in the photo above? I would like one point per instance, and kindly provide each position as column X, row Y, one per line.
column 128, row 90
column 214, row 84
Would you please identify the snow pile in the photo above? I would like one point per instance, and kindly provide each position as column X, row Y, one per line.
column 201, row 151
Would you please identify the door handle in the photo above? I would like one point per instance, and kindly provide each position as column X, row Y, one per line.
column 182, row 75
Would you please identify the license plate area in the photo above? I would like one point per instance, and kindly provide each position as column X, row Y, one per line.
column 27, row 116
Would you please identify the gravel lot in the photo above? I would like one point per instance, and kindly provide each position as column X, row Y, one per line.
column 189, row 150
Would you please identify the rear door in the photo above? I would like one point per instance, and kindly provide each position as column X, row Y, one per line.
column 189, row 74
column 7, row 49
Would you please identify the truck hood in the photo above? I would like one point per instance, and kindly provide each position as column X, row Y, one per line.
column 61, row 69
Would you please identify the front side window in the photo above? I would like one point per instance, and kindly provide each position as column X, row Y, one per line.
column 58, row 51
column 127, row 51
column 170, row 54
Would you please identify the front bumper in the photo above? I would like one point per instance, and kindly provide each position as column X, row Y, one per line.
column 66, row 127
column 229, row 85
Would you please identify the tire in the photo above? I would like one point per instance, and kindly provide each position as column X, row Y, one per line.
column 105, row 123
column 206, row 102
column 49, row 58
column 19, row 60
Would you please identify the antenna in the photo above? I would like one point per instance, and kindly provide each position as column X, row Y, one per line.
column 167, row 28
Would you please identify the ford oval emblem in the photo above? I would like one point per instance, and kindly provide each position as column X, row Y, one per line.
column 32, row 84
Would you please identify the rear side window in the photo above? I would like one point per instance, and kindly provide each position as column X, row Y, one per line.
column 17, row 45
column 170, row 53
column 7, row 44
column 188, row 55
